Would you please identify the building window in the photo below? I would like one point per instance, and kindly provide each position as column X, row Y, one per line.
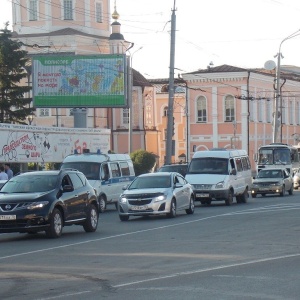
column 68, row 9
column 291, row 117
column 32, row 10
column 99, row 12
column 201, row 110
column 260, row 110
column 166, row 111
column 229, row 108
column 125, row 116
column 269, row 111
column 44, row 112
column 283, row 117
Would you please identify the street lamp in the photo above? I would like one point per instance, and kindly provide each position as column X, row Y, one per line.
column 278, row 94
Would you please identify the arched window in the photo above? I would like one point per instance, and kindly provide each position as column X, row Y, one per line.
column 166, row 111
column 201, row 110
column 229, row 108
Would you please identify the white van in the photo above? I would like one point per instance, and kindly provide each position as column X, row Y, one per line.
column 220, row 174
column 107, row 173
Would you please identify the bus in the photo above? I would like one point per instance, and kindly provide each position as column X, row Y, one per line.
column 275, row 155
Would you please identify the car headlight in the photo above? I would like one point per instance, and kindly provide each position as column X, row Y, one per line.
column 220, row 185
column 123, row 199
column 160, row 198
column 36, row 205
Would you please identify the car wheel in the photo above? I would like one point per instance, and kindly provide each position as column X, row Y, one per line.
column 91, row 222
column 245, row 196
column 203, row 202
column 208, row 202
column 282, row 192
column 123, row 218
column 56, row 224
column 172, row 213
column 229, row 199
column 291, row 190
column 191, row 208
column 102, row 204
column 253, row 195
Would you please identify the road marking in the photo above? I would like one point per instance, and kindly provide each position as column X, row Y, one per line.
column 264, row 209
column 205, row 270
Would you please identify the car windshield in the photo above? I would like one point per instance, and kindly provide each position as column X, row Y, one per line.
column 209, row 165
column 269, row 174
column 90, row 169
column 30, row 184
column 150, row 182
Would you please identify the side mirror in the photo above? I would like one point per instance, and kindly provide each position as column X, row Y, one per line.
column 125, row 187
column 233, row 172
column 178, row 185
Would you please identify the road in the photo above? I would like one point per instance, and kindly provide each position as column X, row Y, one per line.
column 245, row 251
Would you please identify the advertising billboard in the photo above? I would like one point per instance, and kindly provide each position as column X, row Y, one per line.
column 24, row 144
column 79, row 81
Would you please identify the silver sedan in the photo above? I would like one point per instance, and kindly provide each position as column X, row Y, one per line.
column 156, row 194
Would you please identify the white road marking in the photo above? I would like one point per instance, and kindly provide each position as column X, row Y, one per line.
column 264, row 209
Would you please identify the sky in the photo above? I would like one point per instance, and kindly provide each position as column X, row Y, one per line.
column 241, row 33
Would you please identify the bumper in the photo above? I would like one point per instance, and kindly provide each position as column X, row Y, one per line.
column 211, row 195
column 157, row 208
column 267, row 190
column 24, row 223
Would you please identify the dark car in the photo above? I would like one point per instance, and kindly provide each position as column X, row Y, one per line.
column 47, row 201
column 180, row 168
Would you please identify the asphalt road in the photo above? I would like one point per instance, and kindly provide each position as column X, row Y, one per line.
column 245, row 251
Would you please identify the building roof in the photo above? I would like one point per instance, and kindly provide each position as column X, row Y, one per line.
column 286, row 72
column 139, row 79
column 64, row 31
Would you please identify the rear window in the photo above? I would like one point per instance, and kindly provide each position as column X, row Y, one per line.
column 181, row 169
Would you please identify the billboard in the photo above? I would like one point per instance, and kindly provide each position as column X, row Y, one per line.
column 24, row 144
column 79, row 81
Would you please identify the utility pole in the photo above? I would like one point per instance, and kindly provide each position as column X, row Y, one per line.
column 171, row 90
column 278, row 90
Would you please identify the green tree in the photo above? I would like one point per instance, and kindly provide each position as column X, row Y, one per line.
column 143, row 161
column 14, row 107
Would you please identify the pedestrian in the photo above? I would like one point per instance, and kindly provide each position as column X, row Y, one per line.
column 3, row 175
column 8, row 171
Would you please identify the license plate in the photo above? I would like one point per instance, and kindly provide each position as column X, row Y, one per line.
column 202, row 195
column 141, row 207
column 264, row 189
column 8, row 217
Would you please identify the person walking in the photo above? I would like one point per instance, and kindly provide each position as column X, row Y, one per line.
column 3, row 175
column 8, row 171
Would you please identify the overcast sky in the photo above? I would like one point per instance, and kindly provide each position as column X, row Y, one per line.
column 242, row 33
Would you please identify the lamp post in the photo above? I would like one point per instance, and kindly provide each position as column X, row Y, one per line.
column 278, row 93
column 130, row 87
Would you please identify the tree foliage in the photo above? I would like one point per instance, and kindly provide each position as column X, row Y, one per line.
column 14, row 107
column 143, row 161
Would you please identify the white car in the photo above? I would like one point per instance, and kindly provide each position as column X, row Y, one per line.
column 161, row 193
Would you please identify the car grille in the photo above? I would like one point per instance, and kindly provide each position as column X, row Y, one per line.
column 202, row 186
column 13, row 206
column 141, row 199
column 265, row 184
column 13, row 224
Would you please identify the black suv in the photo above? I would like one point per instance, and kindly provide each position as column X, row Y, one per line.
column 47, row 201
column 179, row 168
